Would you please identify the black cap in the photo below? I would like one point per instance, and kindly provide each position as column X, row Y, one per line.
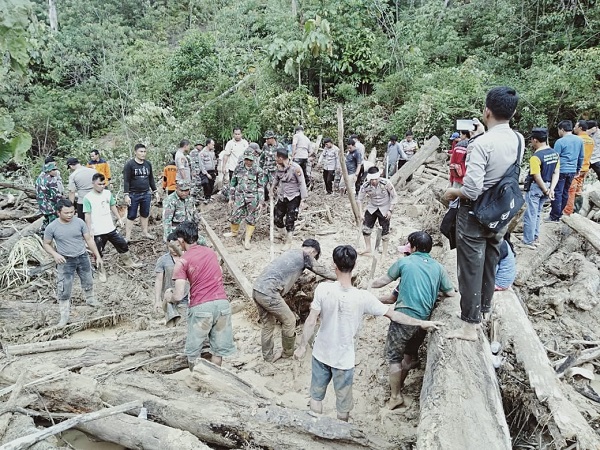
column 72, row 162
column 283, row 152
column 539, row 133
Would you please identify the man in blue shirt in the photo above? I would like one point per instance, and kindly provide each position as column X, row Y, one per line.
column 570, row 150
column 421, row 278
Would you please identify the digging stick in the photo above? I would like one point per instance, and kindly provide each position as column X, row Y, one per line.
column 272, row 224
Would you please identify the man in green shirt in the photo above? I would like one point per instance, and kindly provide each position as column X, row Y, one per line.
column 421, row 278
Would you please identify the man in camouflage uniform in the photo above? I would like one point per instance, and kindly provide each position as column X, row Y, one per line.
column 381, row 199
column 267, row 159
column 180, row 207
column 246, row 196
column 48, row 193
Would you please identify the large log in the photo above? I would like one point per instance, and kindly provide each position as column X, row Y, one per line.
column 515, row 327
column 241, row 280
column 11, row 214
column 585, row 227
column 140, row 434
column 27, row 231
column 30, row 192
column 550, row 240
column 342, row 157
column 417, row 159
column 461, row 406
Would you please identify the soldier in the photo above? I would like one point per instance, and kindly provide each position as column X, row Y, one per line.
column 381, row 197
column 267, row 161
column 179, row 207
column 48, row 193
column 245, row 196
column 291, row 194
column 199, row 174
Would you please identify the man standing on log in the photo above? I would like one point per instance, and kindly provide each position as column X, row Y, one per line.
column 341, row 308
column 246, row 196
column 138, row 181
column 272, row 284
column 80, row 183
column 478, row 248
column 47, row 193
column 97, row 207
column 570, row 149
column 421, row 278
column 209, row 312
column 70, row 235
column 381, row 199
column 544, row 168
column 291, row 193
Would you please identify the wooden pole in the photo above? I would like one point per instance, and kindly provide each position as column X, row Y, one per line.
column 349, row 189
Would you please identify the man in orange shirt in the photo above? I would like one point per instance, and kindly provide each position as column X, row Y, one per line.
column 576, row 188
column 169, row 177
column 100, row 164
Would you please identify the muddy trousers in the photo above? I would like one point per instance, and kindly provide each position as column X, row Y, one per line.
column 270, row 309
column 477, row 255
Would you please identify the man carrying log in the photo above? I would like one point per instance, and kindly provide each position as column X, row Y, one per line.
column 47, row 193
column 478, row 248
column 421, row 278
column 209, row 313
column 275, row 281
column 70, row 235
column 341, row 308
column 291, row 192
column 381, row 198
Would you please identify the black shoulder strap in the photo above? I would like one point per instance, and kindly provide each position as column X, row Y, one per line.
column 519, row 148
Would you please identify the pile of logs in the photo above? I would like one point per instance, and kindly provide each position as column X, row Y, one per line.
column 590, row 207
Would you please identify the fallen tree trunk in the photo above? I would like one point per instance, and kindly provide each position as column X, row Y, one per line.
column 140, row 434
column 417, row 159
column 461, row 407
column 550, row 240
column 11, row 214
column 30, row 192
column 27, row 231
column 515, row 327
column 27, row 441
column 342, row 157
column 241, row 280
column 585, row 227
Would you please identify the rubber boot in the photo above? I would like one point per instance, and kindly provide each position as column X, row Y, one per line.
column 64, row 307
column 249, row 231
column 235, row 228
column 288, row 240
column 288, row 344
column 90, row 299
column 127, row 261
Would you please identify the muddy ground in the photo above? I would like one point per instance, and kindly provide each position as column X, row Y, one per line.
column 27, row 312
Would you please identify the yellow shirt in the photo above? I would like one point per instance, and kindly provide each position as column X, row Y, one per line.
column 588, row 149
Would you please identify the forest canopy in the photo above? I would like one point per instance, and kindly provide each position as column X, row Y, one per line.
column 109, row 73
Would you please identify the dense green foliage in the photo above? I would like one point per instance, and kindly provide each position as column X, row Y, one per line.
column 122, row 71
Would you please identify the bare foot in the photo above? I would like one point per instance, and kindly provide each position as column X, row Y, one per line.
column 394, row 402
column 467, row 333
column 365, row 252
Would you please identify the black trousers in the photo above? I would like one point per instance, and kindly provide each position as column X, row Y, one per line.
column 369, row 223
column 328, row 177
column 287, row 209
column 79, row 211
column 477, row 255
column 596, row 168
column 114, row 238
column 209, row 186
column 302, row 162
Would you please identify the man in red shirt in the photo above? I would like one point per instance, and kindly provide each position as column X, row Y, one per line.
column 209, row 313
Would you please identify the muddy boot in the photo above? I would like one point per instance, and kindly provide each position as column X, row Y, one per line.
column 127, row 261
column 235, row 228
column 288, row 240
column 288, row 344
column 90, row 299
column 64, row 307
column 249, row 231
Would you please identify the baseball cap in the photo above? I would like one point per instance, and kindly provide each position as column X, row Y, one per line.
column 72, row 161
column 455, row 135
column 49, row 166
column 183, row 185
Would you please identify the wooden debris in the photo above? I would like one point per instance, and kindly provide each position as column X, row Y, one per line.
column 417, row 160
column 27, row 231
column 585, row 227
column 342, row 156
column 30, row 192
column 515, row 327
column 241, row 280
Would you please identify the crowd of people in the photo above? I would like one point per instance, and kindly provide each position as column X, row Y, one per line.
column 190, row 274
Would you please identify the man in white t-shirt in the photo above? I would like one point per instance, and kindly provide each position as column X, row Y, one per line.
column 231, row 154
column 341, row 308
column 97, row 207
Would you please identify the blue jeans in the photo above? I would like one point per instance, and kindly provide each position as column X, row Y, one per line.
column 141, row 200
column 506, row 271
column 66, row 272
column 561, row 195
column 535, row 199
column 342, row 384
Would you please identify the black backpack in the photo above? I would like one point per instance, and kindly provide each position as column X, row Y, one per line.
column 496, row 207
